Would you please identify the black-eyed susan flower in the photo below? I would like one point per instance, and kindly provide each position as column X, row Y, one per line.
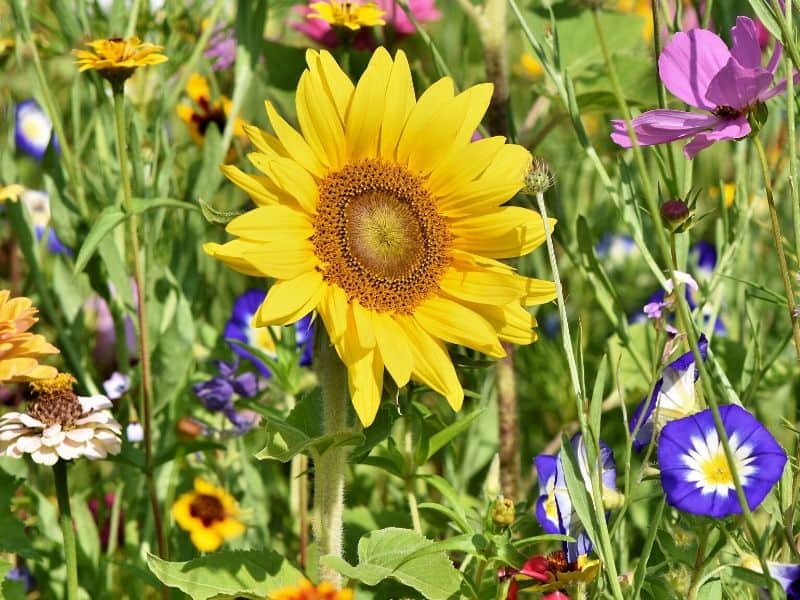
column 209, row 514
column 60, row 425
column 351, row 15
column 116, row 59
column 203, row 111
column 20, row 350
column 383, row 216
column 305, row 590
column 695, row 473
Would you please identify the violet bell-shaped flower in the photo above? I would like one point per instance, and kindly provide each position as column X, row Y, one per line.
column 698, row 68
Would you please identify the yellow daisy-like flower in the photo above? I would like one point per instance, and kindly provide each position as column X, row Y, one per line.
column 21, row 350
column 530, row 65
column 382, row 216
column 209, row 514
column 116, row 59
column 306, row 590
column 203, row 112
column 11, row 192
column 351, row 15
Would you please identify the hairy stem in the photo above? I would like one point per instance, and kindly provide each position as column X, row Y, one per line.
column 331, row 465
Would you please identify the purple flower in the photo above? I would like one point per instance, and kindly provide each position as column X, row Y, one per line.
column 33, row 130
column 673, row 396
column 117, row 385
column 615, row 247
column 22, row 574
column 554, row 509
column 240, row 327
column 695, row 473
column 242, row 420
column 221, row 48
column 698, row 68
column 788, row 575
column 704, row 255
column 37, row 204
column 217, row 394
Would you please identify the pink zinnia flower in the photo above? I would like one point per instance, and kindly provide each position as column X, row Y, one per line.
column 698, row 68
column 324, row 35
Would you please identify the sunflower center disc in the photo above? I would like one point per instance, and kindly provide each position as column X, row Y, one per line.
column 379, row 236
column 384, row 233
column 207, row 508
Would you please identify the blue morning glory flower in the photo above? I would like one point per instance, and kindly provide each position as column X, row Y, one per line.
column 695, row 474
column 33, row 129
column 37, row 204
column 704, row 255
column 240, row 327
column 788, row 575
column 673, row 397
column 554, row 509
column 217, row 394
column 616, row 247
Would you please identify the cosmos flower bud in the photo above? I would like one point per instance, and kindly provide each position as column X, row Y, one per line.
column 675, row 213
column 503, row 511
column 539, row 177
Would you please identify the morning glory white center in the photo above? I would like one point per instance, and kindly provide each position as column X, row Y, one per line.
column 709, row 468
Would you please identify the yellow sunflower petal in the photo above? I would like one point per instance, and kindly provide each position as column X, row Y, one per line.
column 232, row 254
column 289, row 301
column 394, row 348
column 481, row 286
column 337, row 83
column 504, row 233
column 453, row 322
column 290, row 177
column 283, row 259
column 319, row 120
column 294, row 143
column 266, row 143
column 512, row 322
column 365, row 378
column 400, row 101
column 428, row 107
column 333, row 309
column 465, row 164
column 271, row 223
column 432, row 364
column 363, row 124
column 259, row 187
column 365, row 330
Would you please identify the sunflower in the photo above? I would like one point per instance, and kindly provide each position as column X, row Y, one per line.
column 382, row 216
column 21, row 350
column 116, row 59
column 306, row 590
column 351, row 15
column 203, row 112
column 209, row 514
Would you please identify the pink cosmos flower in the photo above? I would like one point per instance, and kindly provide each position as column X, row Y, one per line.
column 324, row 35
column 698, row 68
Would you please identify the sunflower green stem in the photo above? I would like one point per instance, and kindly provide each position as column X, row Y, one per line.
column 684, row 314
column 330, row 466
column 699, row 562
column 67, row 528
column 139, row 279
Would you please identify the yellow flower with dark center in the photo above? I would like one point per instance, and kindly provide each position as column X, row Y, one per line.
column 11, row 192
column 383, row 216
column 306, row 590
column 209, row 514
column 204, row 112
column 351, row 15
column 21, row 350
column 116, row 59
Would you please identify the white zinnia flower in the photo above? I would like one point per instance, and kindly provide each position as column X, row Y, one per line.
column 60, row 424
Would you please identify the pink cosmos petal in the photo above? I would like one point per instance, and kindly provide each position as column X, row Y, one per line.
column 738, row 86
column 778, row 89
column 689, row 63
column 746, row 49
column 660, row 126
column 725, row 130
column 423, row 11
column 775, row 59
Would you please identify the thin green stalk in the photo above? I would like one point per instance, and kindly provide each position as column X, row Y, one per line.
column 662, row 92
column 792, row 133
column 682, row 306
column 787, row 35
column 411, row 496
column 330, row 466
column 67, row 528
column 582, row 408
column 699, row 563
column 707, row 13
column 67, row 157
column 641, row 568
column 113, row 534
column 778, row 239
column 438, row 60
column 139, row 278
